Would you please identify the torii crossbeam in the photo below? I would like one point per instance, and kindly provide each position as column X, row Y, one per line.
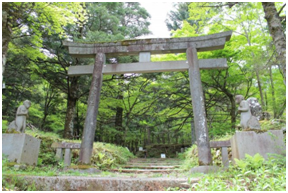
column 146, row 47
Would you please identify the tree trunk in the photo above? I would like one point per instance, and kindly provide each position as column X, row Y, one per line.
column 277, row 33
column 158, row 139
column 148, row 136
column 168, row 138
column 163, row 139
column 77, row 124
column 260, row 90
column 6, row 33
column 50, row 95
column 118, row 123
column 273, row 93
column 69, row 121
column 71, row 106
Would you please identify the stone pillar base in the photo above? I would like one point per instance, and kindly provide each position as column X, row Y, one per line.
column 21, row 148
column 251, row 143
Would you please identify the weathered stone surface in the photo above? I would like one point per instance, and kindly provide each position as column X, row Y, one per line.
column 67, row 157
column 154, row 46
column 250, row 142
column 86, row 171
column 218, row 144
column 92, row 110
column 144, row 57
column 148, row 67
column 59, row 154
column 247, row 119
column 20, row 167
column 255, row 107
column 225, row 158
column 136, row 171
column 19, row 125
column 21, row 148
column 77, row 183
column 205, row 169
column 200, row 121
column 65, row 145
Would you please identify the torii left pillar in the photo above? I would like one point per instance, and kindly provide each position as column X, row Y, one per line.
column 200, row 122
column 92, row 110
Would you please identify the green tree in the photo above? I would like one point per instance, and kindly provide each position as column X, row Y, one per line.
column 104, row 23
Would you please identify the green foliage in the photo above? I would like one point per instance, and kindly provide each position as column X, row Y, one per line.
column 190, row 157
column 251, row 174
column 107, row 156
column 250, row 162
column 4, row 126
column 274, row 124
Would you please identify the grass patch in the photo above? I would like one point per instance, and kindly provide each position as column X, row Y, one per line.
column 254, row 173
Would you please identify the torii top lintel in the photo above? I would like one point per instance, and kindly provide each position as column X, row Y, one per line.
column 154, row 46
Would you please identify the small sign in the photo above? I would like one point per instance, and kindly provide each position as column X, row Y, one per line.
column 163, row 155
column 140, row 148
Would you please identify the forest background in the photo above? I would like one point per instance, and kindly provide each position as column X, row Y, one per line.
column 139, row 109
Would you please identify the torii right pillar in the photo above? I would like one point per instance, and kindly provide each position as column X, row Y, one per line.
column 202, row 137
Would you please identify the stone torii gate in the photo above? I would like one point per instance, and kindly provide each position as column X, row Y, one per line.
column 144, row 48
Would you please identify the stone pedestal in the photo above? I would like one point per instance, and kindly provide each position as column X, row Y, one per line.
column 250, row 142
column 21, row 148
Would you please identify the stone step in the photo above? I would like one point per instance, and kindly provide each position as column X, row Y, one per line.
column 174, row 162
column 152, row 164
column 136, row 171
column 155, row 159
column 150, row 167
column 83, row 183
column 155, row 163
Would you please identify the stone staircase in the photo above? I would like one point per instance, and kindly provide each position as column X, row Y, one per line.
column 140, row 174
column 150, row 165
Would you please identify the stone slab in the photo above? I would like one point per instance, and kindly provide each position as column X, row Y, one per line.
column 250, row 142
column 21, row 148
column 148, row 67
column 66, row 145
column 219, row 144
column 205, row 169
column 82, row 183
column 146, row 170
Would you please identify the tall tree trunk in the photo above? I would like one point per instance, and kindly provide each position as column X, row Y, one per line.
column 273, row 93
column 119, row 114
column 277, row 33
column 71, row 106
column 77, row 124
column 118, row 123
column 6, row 33
column 148, row 136
column 48, row 103
column 168, row 138
column 260, row 90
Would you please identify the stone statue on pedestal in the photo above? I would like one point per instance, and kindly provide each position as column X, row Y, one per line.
column 19, row 125
column 248, row 120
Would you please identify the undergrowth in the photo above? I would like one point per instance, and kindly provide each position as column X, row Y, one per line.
column 254, row 173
